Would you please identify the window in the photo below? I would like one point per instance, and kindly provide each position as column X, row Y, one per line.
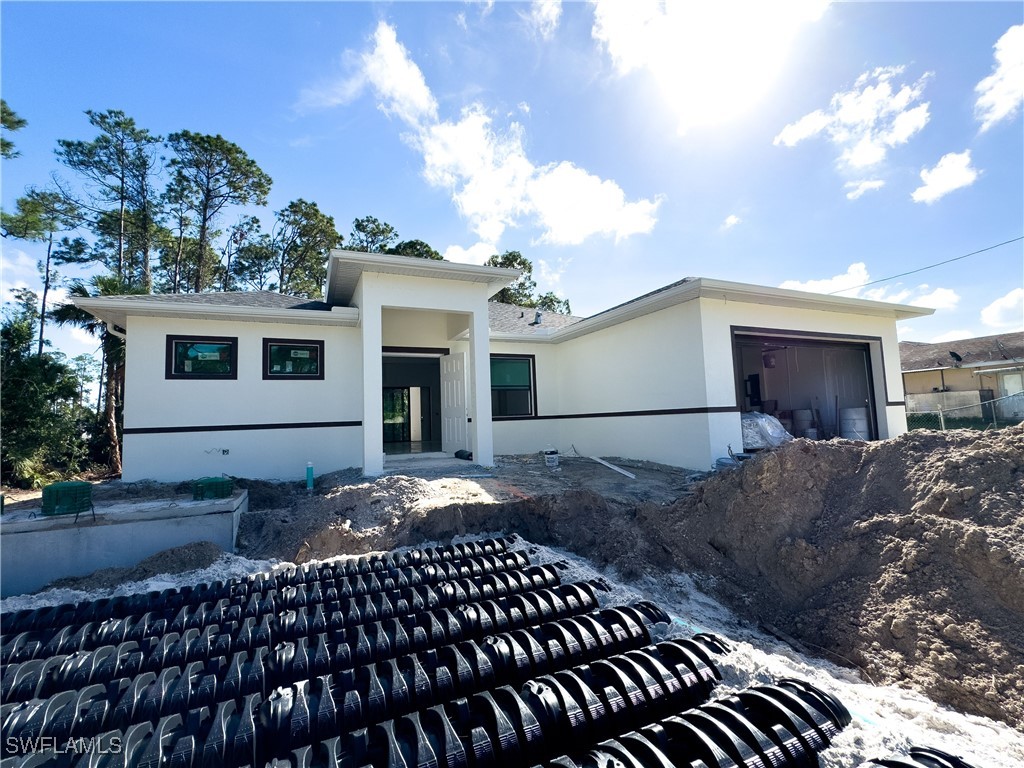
column 513, row 393
column 202, row 357
column 293, row 359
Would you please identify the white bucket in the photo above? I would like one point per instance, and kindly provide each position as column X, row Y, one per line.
column 802, row 421
column 853, row 423
column 551, row 459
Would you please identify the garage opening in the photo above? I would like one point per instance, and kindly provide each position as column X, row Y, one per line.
column 816, row 386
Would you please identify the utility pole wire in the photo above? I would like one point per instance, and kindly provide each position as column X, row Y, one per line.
column 930, row 266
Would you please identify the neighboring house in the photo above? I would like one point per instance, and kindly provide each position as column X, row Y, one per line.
column 408, row 355
column 961, row 376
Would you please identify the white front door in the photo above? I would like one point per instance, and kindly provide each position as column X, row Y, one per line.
column 454, row 413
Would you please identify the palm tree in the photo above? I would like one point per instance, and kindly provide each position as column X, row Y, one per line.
column 112, row 375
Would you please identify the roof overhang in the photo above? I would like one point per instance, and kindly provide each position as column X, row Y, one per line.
column 116, row 310
column 344, row 269
column 979, row 367
column 724, row 290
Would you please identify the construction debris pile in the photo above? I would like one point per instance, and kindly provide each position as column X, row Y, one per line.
column 465, row 655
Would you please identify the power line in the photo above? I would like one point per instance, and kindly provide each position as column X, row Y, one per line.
column 930, row 266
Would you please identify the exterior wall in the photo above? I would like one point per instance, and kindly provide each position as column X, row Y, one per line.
column 39, row 550
column 955, row 380
column 606, row 392
column 413, row 328
column 153, row 402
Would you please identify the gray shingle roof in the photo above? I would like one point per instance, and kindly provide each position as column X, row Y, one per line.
column 253, row 299
column 999, row 349
column 508, row 318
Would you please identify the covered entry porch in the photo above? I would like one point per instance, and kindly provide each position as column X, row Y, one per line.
column 425, row 346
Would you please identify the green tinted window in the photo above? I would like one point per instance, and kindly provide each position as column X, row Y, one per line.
column 292, row 359
column 202, row 358
column 512, row 386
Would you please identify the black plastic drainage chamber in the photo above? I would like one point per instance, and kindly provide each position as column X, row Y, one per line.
column 458, row 656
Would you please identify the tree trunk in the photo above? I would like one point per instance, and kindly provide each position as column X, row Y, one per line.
column 46, row 290
column 204, row 229
column 176, row 283
column 111, row 418
column 120, row 237
column 99, row 389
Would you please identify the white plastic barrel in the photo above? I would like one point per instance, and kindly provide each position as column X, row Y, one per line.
column 853, row 423
column 802, row 421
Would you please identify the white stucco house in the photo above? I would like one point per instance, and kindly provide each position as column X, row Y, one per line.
column 408, row 355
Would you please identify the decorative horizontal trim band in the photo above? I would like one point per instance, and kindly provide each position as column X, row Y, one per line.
column 901, row 403
column 240, row 427
column 617, row 414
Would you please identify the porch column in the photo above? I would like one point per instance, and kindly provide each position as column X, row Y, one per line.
column 373, row 388
column 481, row 430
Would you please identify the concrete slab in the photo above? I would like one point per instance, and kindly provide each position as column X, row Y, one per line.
column 36, row 550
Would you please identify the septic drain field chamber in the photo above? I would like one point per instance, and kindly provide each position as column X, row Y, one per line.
column 460, row 656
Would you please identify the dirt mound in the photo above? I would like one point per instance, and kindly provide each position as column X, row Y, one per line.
column 188, row 557
column 905, row 557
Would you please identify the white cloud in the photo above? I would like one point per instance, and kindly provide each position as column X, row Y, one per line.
column 711, row 61
column 956, row 335
column 904, row 332
column 523, row 107
column 952, row 172
column 549, row 277
column 1006, row 312
column 573, row 204
column 858, row 188
column 387, row 68
column 1001, row 94
column 883, row 293
column 855, row 275
column 82, row 336
column 940, row 298
column 868, row 120
column 730, row 221
column 477, row 253
column 544, row 16
column 492, row 182
column 852, row 285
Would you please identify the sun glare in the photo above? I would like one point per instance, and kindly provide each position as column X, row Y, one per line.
column 711, row 60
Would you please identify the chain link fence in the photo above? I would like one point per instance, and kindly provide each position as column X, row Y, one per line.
column 990, row 414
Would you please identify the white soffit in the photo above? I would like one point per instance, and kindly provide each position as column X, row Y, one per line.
column 345, row 268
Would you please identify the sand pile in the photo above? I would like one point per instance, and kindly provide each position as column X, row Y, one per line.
column 904, row 557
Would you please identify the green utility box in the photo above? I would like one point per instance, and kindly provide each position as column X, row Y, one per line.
column 212, row 488
column 68, row 498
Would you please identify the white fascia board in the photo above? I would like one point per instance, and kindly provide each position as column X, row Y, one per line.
column 387, row 264
column 738, row 292
column 117, row 311
column 973, row 367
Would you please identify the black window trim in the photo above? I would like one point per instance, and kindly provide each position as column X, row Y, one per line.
column 172, row 338
column 268, row 376
column 533, row 385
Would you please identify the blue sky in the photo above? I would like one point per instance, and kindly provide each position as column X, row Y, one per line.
column 619, row 146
